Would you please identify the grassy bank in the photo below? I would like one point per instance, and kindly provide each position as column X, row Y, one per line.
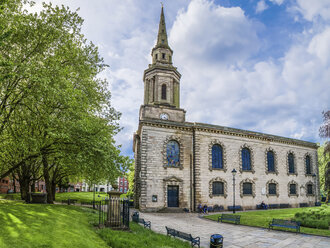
column 261, row 218
column 80, row 196
column 34, row 225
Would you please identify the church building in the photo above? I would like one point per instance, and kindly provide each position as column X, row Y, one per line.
column 181, row 164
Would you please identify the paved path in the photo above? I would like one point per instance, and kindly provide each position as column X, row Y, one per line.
column 234, row 236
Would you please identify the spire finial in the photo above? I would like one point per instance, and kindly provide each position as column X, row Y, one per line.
column 162, row 34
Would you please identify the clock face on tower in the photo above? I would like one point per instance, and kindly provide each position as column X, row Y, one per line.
column 163, row 116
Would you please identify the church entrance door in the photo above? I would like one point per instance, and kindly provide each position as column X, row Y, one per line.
column 172, row 196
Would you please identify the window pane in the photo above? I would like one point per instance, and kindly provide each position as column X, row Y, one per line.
column 291, row 163
column 164, row 91
column 270, row 161
column 247, row 188
column 217, row 188
column 246, row 159
column 173, row 153
column 292, row 189
column 217, row 161
column 308, row 165
column 272, row 189
column 310, row 189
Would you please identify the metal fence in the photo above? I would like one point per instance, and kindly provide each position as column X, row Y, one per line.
column 114, row 213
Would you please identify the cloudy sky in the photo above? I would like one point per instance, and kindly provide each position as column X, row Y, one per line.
column 260, row 65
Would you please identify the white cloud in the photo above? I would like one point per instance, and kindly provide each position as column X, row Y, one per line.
column 261, row 6
column 278, row 2
column 283, row 97
column 213, row 34
column 313, row 9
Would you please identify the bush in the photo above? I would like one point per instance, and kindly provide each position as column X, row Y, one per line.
column 315, row 218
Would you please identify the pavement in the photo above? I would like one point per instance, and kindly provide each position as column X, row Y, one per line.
column 234, row 235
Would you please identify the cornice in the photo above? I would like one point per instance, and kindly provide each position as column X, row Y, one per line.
column 208, row 128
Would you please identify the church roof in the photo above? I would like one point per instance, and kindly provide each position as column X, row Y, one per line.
column 228, row 131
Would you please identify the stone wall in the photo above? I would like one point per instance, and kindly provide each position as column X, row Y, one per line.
column 155, row 176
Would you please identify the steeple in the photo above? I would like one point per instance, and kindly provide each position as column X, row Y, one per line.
column 162, row 34
column 162, row 82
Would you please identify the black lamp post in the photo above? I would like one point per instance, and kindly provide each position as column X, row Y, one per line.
column 234, row 174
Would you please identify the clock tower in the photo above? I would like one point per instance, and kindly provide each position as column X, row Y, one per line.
column 162, row 82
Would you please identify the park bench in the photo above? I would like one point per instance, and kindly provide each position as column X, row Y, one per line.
column 137, row 219
column 230, row 217
column 285, row 224
column 273, row 206
column 217, row 208
column 303, row 205
column 317, row 204
column 182, row 235
column 231, row 208
column 284, row 205
column 259, row 206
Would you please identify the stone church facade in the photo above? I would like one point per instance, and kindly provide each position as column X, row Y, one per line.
column 181, row 164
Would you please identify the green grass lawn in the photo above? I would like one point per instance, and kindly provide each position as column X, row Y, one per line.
column 13, row 196
column 261, row 218
column 80, row 196
column 140, row 237
column 37, row 225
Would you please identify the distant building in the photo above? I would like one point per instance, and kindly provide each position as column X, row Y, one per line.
column 122, row 185
column 7, row 185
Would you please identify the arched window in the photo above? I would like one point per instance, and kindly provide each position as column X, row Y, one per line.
column 246, row 159
column 272, row 188
column 310, row 189
column 164, row 92
column 173, row 153
column 247, row 188
column 217, row 188
column 291, row 163
column 217, row 157
column 293, row 189
column 270, row 161
column 308, row 165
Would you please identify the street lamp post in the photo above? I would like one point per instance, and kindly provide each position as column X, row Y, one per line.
column 234, row 174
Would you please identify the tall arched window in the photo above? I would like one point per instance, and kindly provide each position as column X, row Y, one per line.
column 291, row 163
column 246, row 159
column 270, row 161
column 217, row 157
column 164, row 92
column 308, row 165
column 173, row 153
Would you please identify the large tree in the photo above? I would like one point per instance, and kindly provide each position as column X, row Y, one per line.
column 54, row 109
column 325, row 133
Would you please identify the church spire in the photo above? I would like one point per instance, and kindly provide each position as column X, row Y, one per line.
column 162, row 34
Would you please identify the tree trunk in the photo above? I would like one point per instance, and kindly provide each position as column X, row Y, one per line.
column 50, row 199
column 24, row 185
column 53, row 188
column 33, row 187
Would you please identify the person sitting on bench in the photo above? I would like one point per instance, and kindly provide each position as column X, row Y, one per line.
column 263, row 205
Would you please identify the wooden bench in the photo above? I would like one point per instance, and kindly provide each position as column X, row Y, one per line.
column 230, row 217
column 284, row 205
column 303, row 205
column 273, row 206
column 183, row 235
column 317, row 204
column 285, row 223
column 146, row 224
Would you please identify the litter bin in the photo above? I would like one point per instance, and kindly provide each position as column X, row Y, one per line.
column 135, row 216
column 216, row 241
